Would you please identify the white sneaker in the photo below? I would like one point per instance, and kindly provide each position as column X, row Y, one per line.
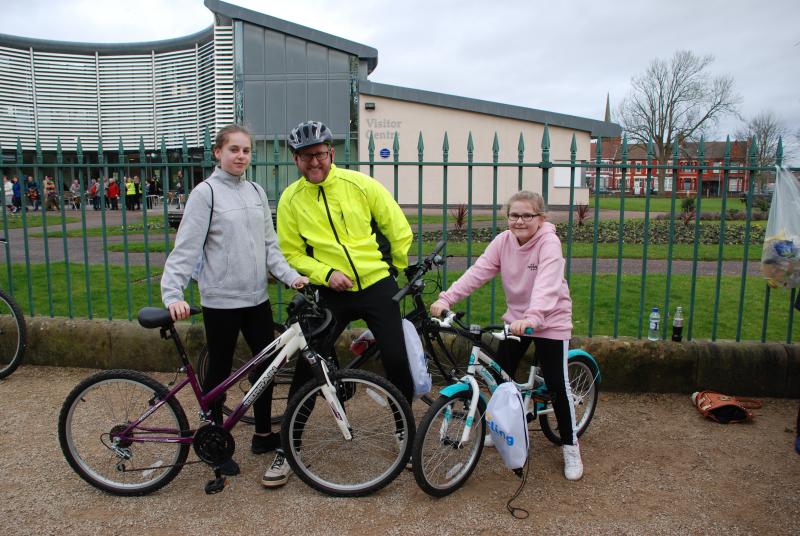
column 488, row 441
column 278, row 473
column 573, row 466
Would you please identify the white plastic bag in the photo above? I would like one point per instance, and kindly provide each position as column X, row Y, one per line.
column 780, row 257
column 416, row 360
column 505, row 417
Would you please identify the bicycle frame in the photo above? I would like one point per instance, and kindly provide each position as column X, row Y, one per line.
column 289, row 342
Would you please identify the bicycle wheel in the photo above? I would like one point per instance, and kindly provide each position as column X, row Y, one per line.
column 582, row 380
column 441, row 466
column 281, row 381
column 13, row 336
column 381, row 424
column 106, row 402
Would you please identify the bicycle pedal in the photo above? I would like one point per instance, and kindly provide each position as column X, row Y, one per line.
column 216, row 485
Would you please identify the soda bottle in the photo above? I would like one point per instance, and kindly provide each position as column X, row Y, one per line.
column 677, row 325
column 655, row 321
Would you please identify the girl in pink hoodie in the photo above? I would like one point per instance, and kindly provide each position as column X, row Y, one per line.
column 528, row 257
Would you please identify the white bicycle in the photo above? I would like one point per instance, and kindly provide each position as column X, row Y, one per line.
column 450, row 436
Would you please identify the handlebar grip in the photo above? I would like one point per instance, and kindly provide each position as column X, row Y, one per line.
column 194, row 310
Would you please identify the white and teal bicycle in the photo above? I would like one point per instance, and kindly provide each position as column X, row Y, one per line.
column 449, row 438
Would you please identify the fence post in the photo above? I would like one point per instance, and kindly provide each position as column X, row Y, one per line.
column 593, row 285
column 84, row 188
column 573, row 152
column 420, row 151
column 646, row 238
column 61, row 196
column 445, row 169
column 621, row 237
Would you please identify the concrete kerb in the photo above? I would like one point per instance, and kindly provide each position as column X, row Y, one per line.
column 629, row 365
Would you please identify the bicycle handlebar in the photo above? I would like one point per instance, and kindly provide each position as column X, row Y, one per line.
column 452, row 320
column 417, row 271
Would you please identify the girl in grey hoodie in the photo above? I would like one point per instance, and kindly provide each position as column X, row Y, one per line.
column 227, row 225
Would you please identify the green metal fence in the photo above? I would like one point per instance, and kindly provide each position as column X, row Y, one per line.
column 66, row 262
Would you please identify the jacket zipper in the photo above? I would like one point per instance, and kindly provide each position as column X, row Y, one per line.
column 336, row 236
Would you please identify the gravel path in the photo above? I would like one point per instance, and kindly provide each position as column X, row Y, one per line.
column 653, row 466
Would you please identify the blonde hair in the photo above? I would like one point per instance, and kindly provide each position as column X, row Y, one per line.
column 535, row 200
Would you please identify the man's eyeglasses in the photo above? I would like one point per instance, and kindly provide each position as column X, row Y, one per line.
column 527, row 218
column 321, row 156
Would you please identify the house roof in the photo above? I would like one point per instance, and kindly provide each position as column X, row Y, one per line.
column 229, row 11
column 593, row 126
column 713, row 150
column 79, row 47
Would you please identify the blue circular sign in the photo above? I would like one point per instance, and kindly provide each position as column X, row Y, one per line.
column 385, row 153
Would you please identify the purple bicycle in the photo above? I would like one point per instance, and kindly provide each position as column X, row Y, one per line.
column 345, row 432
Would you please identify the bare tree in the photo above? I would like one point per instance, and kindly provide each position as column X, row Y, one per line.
column 675, row 101
column 766, row 130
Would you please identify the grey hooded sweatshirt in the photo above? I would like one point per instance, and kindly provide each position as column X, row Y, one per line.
column 241, row 245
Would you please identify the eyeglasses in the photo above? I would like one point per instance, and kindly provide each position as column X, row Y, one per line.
column 321, row 156
column 527, row 218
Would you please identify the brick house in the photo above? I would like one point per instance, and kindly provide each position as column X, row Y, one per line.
column 688, row 176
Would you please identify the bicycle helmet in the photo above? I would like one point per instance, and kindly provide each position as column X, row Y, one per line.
column 309, row 133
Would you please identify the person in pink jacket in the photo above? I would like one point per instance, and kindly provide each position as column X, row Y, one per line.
column 529, row 259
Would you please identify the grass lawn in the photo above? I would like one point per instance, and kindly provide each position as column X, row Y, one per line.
column 145, row 291
column 663, row 204
column 34, row 219
column 706, row 252
column 628, row 317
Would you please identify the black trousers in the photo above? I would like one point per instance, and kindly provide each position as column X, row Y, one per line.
column 375, row 306
column 551, row 355
column 222, row 331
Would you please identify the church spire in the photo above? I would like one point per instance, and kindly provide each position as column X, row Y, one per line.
column 608, row 109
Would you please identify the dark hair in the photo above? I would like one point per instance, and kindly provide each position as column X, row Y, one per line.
column 224, row 132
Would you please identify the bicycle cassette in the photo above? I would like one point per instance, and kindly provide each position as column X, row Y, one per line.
column 213, row 444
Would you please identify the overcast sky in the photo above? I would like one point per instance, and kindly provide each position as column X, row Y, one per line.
column 557, row 56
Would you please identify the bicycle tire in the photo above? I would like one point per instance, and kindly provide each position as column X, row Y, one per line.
column 440, row 465
column 13, row 334
column 582, row 374
column 109, row 400
column 381, row 423
column 280, row 392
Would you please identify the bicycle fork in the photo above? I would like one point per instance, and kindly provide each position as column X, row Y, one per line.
column 469, row 421
column 320, row 369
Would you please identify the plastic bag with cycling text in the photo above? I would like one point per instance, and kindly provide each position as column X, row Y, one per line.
column 505, row 417
column 780, row 257
column 416, row 360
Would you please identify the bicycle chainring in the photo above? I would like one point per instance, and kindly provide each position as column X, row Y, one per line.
column 213, row 444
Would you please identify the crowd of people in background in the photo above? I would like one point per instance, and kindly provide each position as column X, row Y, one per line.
column 106, row 192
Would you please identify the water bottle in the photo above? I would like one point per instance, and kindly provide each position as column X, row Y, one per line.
column 677, row 325
column 655, row 321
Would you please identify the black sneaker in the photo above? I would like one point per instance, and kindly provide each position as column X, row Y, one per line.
column 261, row 444
column 229, row 468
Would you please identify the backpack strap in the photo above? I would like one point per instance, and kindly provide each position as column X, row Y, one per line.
column 210, row 214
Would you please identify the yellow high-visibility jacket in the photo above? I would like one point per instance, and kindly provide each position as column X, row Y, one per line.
column 349, row 222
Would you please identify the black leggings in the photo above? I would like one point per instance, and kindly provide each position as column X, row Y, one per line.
column 222, row 331
column 551, row 355
column 375, row 306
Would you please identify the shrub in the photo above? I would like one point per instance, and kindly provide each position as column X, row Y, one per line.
column 459, row 214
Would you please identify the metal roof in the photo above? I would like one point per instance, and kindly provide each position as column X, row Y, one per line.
column 231, row 11
column 595, row 127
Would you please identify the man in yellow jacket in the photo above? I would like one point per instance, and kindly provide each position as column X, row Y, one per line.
column 344, row 231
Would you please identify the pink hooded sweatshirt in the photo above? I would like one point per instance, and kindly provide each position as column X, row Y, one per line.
column 533, row 281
